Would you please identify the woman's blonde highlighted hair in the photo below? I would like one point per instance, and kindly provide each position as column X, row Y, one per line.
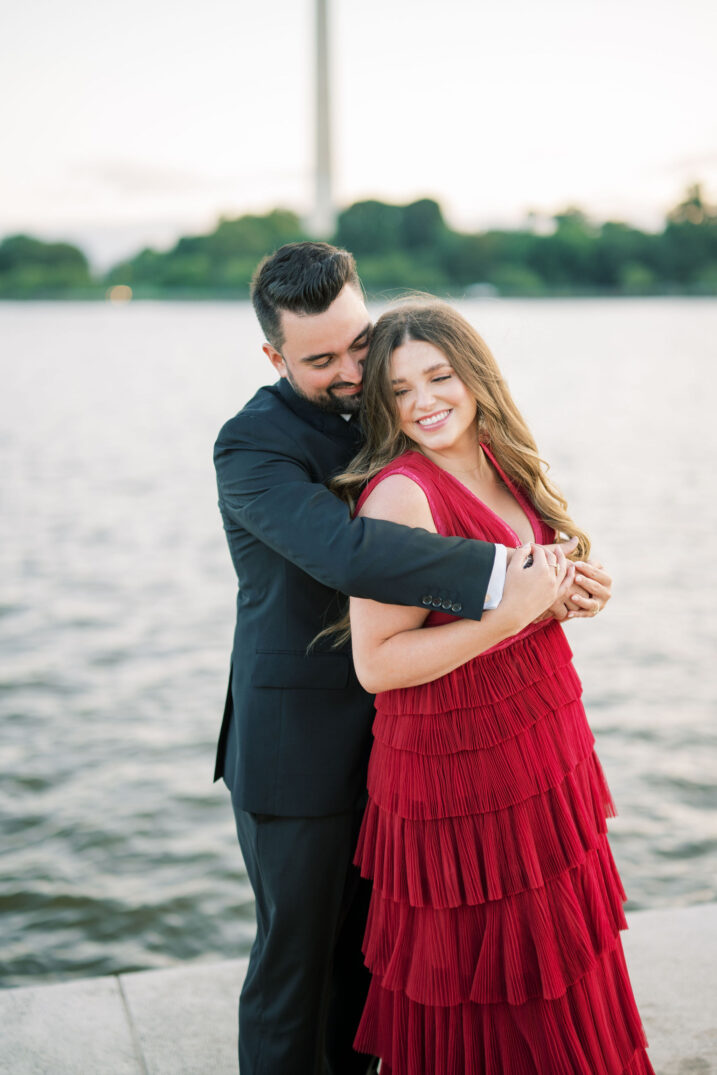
column 500, row 423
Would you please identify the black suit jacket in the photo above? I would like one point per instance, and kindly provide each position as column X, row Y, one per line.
column 302, row 720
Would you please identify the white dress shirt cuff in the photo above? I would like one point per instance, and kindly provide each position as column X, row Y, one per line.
column 496, row 582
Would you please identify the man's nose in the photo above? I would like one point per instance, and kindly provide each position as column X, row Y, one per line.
column 351, row 369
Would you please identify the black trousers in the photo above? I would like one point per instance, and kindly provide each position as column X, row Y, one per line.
column 306, row 983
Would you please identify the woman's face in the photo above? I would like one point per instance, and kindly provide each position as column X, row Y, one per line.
column 435, row 408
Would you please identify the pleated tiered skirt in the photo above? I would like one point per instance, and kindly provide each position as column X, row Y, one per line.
column 493, row 933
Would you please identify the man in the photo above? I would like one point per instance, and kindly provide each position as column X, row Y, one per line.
column 296, row 733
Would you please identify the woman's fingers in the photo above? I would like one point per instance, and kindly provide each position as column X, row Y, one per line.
column 592, row 591
column 587, row 602
column 568, row 546
column 591, row 587
column 568, row 583
column 593, row 570
column 595, row 587
column 587, row 606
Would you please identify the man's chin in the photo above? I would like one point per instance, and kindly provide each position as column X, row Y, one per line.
column 349, row 404
column 338, row 404
column 331, row 402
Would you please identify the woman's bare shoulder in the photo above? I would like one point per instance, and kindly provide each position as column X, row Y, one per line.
column 399, row 499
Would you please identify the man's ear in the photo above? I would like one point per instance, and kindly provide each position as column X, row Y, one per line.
column 275, row 358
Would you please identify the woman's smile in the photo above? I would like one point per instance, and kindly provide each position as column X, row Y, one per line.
column 433, row 420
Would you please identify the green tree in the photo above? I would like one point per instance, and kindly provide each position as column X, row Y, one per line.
column 223, row 260
column 252, row 236
column 471, row 259
column 688, row 245
column 398, row 272
column 32, row 268
column 565, row 259
column 411, row 246
column 517, row 280
column 635, row 278
column 423, row 226
column 619, row 245
column 370, row 228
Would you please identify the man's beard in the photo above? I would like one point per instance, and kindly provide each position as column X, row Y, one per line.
column 327, row 401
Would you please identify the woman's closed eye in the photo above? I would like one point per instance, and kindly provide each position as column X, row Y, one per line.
column 434, row 380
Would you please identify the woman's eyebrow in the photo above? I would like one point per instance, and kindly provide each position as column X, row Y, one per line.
column 428, row 369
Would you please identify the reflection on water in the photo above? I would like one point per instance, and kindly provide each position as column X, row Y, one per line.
column 117, row 600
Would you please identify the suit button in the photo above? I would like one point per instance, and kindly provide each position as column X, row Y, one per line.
column 436, row 602
column 447, row 605
column 457, row 607
column 427, row 598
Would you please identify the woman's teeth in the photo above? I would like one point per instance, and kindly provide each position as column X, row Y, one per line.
column 433, row 418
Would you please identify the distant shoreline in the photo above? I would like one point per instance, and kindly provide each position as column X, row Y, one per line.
column 397, row 247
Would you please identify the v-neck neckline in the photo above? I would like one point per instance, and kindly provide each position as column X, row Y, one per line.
column 520, row 500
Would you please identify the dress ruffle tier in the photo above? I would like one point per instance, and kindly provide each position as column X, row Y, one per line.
column 493, row 935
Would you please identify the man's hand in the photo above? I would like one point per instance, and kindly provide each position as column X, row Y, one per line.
column 566, row 547
column 556, row 555
column 533, row 582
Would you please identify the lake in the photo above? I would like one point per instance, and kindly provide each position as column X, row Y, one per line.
column 117, row 606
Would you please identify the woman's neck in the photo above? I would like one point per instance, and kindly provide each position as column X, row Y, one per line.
column 465, row 461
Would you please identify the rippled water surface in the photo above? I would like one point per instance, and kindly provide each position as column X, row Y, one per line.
column 117, row 600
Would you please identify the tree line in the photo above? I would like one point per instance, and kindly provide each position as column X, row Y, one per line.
column 398, row 247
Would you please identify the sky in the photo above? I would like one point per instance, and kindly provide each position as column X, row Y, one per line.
column 129, row 124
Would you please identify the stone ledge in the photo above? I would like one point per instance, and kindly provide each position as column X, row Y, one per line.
column 182, row 1021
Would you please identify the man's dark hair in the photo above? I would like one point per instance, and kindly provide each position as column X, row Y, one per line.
column 302, row 277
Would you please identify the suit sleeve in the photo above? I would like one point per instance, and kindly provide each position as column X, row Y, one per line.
column 269, row 492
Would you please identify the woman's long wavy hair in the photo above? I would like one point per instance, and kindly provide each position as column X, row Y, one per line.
column 500, row 423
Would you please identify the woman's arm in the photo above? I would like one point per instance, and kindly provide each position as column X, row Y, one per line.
column 391, row 648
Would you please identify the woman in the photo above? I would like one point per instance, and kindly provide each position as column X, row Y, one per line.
column 493, row 934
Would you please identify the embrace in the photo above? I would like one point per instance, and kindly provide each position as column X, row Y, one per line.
column 434, row 886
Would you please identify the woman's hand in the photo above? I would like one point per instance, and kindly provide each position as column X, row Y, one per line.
column 584, row 595
column 593, row 590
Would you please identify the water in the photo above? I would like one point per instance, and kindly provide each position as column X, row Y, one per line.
column 117, row 602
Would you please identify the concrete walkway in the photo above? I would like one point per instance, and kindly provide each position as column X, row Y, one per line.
column 182, row 1021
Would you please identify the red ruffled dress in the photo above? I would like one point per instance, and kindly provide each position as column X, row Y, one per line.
column 493, row 932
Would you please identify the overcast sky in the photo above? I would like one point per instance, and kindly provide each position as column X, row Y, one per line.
column 130, row 123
